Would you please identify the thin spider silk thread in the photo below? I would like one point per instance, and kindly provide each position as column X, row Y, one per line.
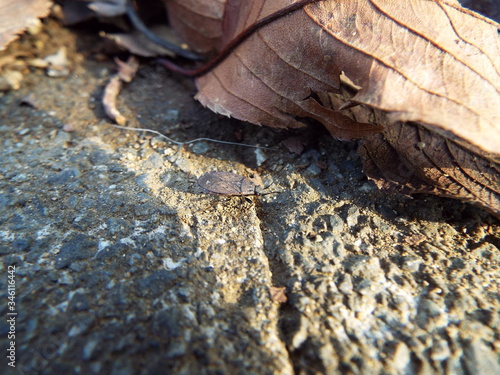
column 192, row 140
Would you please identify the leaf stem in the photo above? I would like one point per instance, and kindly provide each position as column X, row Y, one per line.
column 240, row 38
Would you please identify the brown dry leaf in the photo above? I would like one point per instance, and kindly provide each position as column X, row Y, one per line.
column 430, row 66
column 426, row 61
column 429, row 61
column 198, row 22
column 272, row 77
column 18, row 15
column 412, row 159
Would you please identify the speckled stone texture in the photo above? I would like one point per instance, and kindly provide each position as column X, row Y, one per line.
column 126, row 266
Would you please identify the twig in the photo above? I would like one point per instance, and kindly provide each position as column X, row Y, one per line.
column 109, row 100
column 139, row 25
column 126, row 72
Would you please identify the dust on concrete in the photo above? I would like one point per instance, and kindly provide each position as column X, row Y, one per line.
column 126, row 266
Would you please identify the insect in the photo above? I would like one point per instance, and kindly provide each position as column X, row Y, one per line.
column 227, row 183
